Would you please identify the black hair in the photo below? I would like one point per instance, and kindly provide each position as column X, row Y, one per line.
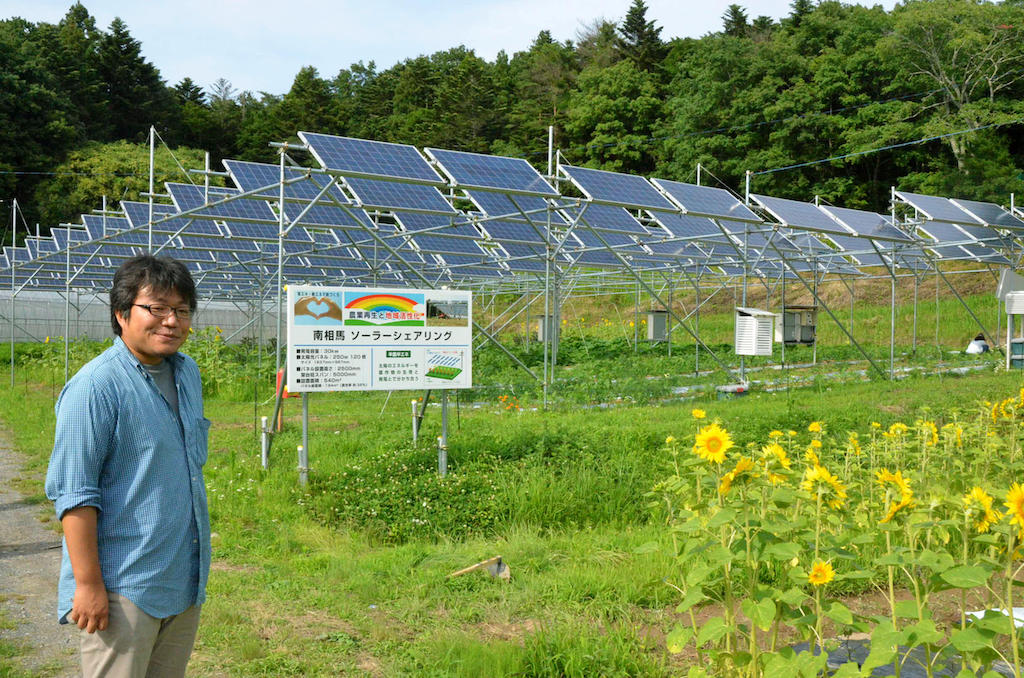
column 980, row 337
column 160, row 274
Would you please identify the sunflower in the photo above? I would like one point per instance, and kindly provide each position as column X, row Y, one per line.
column 1015, row 502
column 897, row 430
column 814, row 427
column 853, row 444
column 818, row 480
column 886, row 478
column 776, row 434
column 928, row 431
column 670, row 440
column 698, row 414
column 821, row 573
column 713, row 442
column 978, row 505
column 776, row 452
column 741, row 471
column 811, row 456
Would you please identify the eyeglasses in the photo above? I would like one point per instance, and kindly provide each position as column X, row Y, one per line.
column 161, row 311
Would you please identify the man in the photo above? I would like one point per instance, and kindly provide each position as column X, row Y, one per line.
column 126, row 480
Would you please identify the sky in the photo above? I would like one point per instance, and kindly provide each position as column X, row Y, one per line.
column 260, row 45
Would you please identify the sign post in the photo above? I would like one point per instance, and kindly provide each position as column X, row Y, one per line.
column 379, row 339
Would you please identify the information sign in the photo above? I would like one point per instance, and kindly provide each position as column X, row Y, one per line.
column 378, row 339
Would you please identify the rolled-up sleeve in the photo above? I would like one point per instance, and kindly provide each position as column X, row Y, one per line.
column 86, row 421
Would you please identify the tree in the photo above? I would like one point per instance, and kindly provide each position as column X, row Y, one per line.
column 611, row 117
column 118, row 170
column 735, row 21
column 798, row 10
column 309, row 105
column 971, row 52
column 639, row 39
column 136, row 95
column 597, row 44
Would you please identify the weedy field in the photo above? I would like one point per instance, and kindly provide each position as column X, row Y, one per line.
column 651, row 529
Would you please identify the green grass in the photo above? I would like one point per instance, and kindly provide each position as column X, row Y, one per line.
column 350, row 575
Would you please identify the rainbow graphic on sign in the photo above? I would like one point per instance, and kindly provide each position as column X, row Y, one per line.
column 385, row 309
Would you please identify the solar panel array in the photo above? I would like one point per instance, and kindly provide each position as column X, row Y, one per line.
column 375, row 212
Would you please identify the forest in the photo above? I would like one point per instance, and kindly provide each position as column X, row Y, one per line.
column 833, row 100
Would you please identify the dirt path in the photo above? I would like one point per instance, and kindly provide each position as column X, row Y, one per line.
column 29, row 563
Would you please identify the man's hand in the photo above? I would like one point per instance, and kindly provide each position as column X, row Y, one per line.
column 90, row 607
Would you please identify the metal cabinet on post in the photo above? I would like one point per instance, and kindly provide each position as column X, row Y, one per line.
column 1014, row 329
column 797, row 325
column 657, row 325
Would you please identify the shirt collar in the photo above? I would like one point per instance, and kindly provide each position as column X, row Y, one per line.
column 125, row 353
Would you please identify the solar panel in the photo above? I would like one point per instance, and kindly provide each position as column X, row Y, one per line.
column 989, row 213
column 252, row 176
column 187, row 197
column 867, row 224
column 614, row 188
column 370, row 159
column 374, row 193
column 137, row 214
column 986, row 235
column 607, row 218
column 936, row 209
column 505, row 231
column 502, row 205
column 688, row 226
column 494, row 172
column 706, row 201
column 797, row 214
column 859, row 249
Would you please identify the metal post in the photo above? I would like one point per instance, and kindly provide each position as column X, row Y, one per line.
column 304, row 447
column 913, row 340
column 67, row 305
column 668, row 319
column 415, row 424
column 636, row 320
column 152, row 164
column 264, row 444
column 280, row 266
column 442, row 442
column 14, row 259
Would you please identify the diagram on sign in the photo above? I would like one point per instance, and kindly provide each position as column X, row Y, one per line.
column 444, row 364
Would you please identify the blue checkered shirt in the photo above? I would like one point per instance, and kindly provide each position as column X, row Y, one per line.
column 119, row 447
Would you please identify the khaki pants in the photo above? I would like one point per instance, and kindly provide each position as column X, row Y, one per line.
column 135, row 645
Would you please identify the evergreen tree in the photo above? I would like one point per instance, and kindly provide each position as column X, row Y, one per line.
column 136, row 95
column 597, row 44
column 639, row 40
column 798, row 10
column 735, row 21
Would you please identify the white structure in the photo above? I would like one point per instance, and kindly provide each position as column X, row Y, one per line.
column 754, row 331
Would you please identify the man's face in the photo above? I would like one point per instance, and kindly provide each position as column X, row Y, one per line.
column 152, row 339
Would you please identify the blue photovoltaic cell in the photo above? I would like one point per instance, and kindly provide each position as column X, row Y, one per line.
column 436, row 243
column 626, row 190
column 471, row 272
column 675, row 249
column 937, row 209
column 138, row 216
column 986, row 254
column 808, row 244
column 475, row 170
column 803, row 215
column 986, row 235
column 512, row 231
column 252, row 176
column 440, row 225
column 607, row 218
column 400, row 196
column 688, row 226
column 188, row 197
column 867, row 224
column 501, row 205
column 859, row 249
column 619, row 241
column 373, row 159
column 944, row 233
column 989, row 213
column 707, row 201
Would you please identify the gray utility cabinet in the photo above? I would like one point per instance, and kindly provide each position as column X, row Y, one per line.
column 797, row 326
column 657, row 325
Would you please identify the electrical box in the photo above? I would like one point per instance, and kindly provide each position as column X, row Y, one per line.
column 657, row 326
column 545, row 327
column 754, row 331
column 797, row 325
column 1017, row 353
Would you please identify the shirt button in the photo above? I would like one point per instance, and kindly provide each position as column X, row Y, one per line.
column 193, row 477
column 194, row 541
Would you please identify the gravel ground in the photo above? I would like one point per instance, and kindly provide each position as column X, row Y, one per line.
column 29, row 563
